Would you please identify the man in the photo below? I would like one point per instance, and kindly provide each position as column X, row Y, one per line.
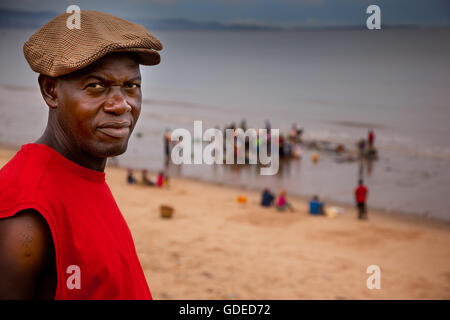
column 62, row 235
column 360, row 197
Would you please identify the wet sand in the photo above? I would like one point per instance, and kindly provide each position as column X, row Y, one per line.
column 216, row 248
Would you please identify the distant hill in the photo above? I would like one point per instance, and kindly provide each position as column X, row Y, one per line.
column 186, row 24
column 24, row 19
column 30, row 19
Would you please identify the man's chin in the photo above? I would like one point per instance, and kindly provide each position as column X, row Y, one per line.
column 110, row 149
column 117, row 150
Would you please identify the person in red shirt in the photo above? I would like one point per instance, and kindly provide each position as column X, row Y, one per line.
column 62, row 235
column 371, row 139
column 360, row 197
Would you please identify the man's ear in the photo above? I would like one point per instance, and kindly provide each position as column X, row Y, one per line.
column 48, row 90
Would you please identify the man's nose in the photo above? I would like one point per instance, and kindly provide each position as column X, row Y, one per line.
column 117, row 102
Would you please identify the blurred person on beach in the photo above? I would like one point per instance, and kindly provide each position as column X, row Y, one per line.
column 130, row 177
column 281, row 149
column 293, row 133
column 243, row 125
column 361, row 147
column 268, row 137
column 162, row 179
column 167, row 144
column 145, row 179
column 267, row 198
column 316, row 206
column 288, row 152
column 361, row 197
column 371, row 138
column 282, row 202
column 299, row 134
column 62, row 235
column 372, row 152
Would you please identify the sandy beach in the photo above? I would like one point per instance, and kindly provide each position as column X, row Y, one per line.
column 217, row 248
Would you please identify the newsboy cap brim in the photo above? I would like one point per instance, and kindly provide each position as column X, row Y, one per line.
column 56, row 50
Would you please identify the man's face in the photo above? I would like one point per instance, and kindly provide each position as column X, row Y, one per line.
column 99, row 106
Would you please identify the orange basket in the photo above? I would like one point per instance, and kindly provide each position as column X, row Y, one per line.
column 166, row 211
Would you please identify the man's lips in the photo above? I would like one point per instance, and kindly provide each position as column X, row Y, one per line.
column 115, row 129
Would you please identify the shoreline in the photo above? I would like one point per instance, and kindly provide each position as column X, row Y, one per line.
column 409, row 216
column 396, row 215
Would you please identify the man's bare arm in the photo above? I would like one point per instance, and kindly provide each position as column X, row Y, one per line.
column 26, row 248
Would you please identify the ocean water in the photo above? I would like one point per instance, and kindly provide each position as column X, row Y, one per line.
column 334, row 84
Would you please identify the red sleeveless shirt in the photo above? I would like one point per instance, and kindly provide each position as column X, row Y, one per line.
column 95, row 253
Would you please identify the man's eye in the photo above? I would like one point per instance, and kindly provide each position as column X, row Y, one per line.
column 132, row 86
column 95, row 86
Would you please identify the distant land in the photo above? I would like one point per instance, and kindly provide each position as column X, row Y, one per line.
column 19, row 19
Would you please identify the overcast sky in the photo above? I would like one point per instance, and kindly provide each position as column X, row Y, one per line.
column 264, row 12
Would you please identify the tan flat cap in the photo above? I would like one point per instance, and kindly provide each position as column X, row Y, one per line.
column 56, row 50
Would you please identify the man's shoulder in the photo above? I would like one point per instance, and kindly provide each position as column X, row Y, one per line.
column 20, row 177
column 27, row 163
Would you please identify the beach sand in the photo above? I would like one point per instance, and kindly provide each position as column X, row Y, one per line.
column 216, row 248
